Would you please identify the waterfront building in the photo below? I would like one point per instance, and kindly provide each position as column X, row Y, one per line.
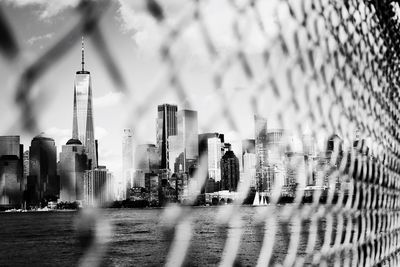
column 12, row 182
column 176, row 154
column 138, row 179
column 166, row 126
column 184, row 147
column 72, row 167
column 214, row 148
column 260, row 127
column 146, row 158
column 43, row 183
column 10, row 145
column 249, row 168
column 229, row 171
column 211, row 147
column 127, row 164
column 275, row 146
column 153, row 187
column 82, row 128
column 237, row 147
column 188, row 130
column 25, row 167
column 98, row 187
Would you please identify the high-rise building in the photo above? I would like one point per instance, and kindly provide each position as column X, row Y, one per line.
column 127, row 163
column 185, row 145
column 260, row 126
column 83, row 128
column 98, row 187
column 146, row 158
column 26, row 166
column 176, row 154
column 146, row 161
column 229, row 171
column 166, row 126
column 211, row 157
column 11, row 171
column 249, row 168
column 43, row 182
column 237, row 147
column 72, row 167
column 276, row 146
column 10, row 145
column 214, row 158
column 188, row 128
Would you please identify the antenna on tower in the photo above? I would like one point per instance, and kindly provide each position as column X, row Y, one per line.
column 83, row 54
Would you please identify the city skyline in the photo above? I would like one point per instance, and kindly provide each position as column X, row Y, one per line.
column 39, row 24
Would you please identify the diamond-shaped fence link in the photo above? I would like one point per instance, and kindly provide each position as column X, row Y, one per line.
column 330, row 65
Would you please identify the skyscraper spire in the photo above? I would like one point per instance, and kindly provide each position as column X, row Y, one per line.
column 83, row 54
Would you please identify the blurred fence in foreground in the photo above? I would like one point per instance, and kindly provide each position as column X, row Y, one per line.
column 331, row 65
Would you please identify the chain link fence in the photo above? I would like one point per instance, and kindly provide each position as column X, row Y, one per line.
column 329, row 67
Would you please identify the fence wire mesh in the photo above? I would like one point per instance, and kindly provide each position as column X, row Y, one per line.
column 329, row 67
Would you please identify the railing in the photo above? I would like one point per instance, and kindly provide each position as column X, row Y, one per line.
column 328, row 67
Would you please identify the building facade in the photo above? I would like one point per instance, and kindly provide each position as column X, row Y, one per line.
column 72, row 167
column 127, row 164
column 230, row 173
column 185, row 145
column 43, row 182
column 82, row 128
column 12, row 182
column 98, row 187
column 260, row 127
column 166, row 126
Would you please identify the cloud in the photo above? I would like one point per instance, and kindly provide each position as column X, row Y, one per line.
column 136, row 21
column 100, row 132
column 35, row 39
column 108, row 100
column 47, row 8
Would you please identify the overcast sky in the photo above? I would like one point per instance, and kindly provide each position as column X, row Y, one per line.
column 133, row 37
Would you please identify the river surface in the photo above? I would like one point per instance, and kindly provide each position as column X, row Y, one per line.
column 139, row 238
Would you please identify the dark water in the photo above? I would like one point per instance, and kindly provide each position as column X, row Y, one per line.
column 139, row 238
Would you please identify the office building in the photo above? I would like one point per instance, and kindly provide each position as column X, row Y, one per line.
column 146, row 158
column 214, row 158
column 72, row 167
column 43, row 183
column 127, row 163
column 98, row 187
column 249, row 168
column 11, row 172
column 260, row 126
column 82, row 128
column 185, row 145
column 166, row 126
column 229, row 171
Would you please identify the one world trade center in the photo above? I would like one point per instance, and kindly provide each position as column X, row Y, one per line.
column 83, row 129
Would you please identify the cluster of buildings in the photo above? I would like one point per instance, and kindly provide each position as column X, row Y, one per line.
column 34, row 178
column 274, row 158
column 164, row 171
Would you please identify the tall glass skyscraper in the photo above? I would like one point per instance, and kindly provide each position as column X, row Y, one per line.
column 166, row 126
column 260, row 125
column 83, row 128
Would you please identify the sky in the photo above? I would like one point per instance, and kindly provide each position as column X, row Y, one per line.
column 135, row 40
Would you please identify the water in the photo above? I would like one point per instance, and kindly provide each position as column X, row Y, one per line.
column 139, row 238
